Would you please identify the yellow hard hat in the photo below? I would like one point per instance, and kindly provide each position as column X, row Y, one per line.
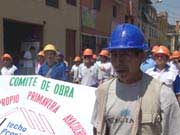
column 49, row 47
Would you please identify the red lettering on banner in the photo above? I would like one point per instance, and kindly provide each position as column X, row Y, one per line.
column 9, row 100
column 75, row 125
column 37, row 121
column 44, row 101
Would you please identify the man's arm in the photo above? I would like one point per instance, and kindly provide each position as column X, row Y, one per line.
column 176, row 88
column 178, row 98
column 170, row 112
column 94, row 131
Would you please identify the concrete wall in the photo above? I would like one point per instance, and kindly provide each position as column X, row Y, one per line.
column 57, row 20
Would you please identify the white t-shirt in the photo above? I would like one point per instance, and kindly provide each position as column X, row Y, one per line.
column 105, row 70
column 173, row 67
column 88, row 76
column 8, row 71
column 37, row 67
column 75, row 71
column 28, row 62
column 121, row 108
column 166, row 75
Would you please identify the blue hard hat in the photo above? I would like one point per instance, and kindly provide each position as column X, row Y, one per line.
column 127, row 36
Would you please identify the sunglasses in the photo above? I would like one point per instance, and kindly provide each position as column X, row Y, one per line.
column 6, row 60
column 88, row 56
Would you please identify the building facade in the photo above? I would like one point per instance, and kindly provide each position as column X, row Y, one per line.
column 38, row 22
column 174, row 36
column 162, row 27
column 98, row 19
column 147, row 20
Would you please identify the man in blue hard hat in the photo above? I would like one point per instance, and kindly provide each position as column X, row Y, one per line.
column 133, row 103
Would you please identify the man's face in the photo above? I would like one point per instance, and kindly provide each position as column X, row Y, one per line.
column 59, row 58
column 87, row 59
column 160, row 59
column 7, row 62
column 40, row 58
column 77, row 63
column 50, row 57
column 127, row 64
column 103, row 58
column 32, row 50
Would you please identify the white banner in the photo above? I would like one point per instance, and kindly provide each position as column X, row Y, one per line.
column 34, row 105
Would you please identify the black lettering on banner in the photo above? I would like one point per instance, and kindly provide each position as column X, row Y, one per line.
column 3, row 121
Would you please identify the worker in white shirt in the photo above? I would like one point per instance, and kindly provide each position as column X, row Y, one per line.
column 105, row 68
column 149, row 61
column 40, row 61
column 88, row 72
column 175, row 60
column 161, row 70
column 174, row 64
column 29, row 61
column 75, row 69
column 7, row 65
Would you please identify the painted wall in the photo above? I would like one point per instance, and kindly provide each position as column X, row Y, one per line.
column 57, row 20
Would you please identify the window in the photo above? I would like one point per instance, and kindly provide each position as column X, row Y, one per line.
column 129, row 19
column 104, row 43
column 71, row 2
column 114, row 11
column 126, row 19
column 97, row 4
column 52, row 3
column 132, row 20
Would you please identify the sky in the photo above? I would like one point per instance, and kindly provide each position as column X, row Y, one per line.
column 171, row 6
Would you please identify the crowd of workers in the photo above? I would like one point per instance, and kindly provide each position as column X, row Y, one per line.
column 92, row 70
column 124, row 73
column 86, row 70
